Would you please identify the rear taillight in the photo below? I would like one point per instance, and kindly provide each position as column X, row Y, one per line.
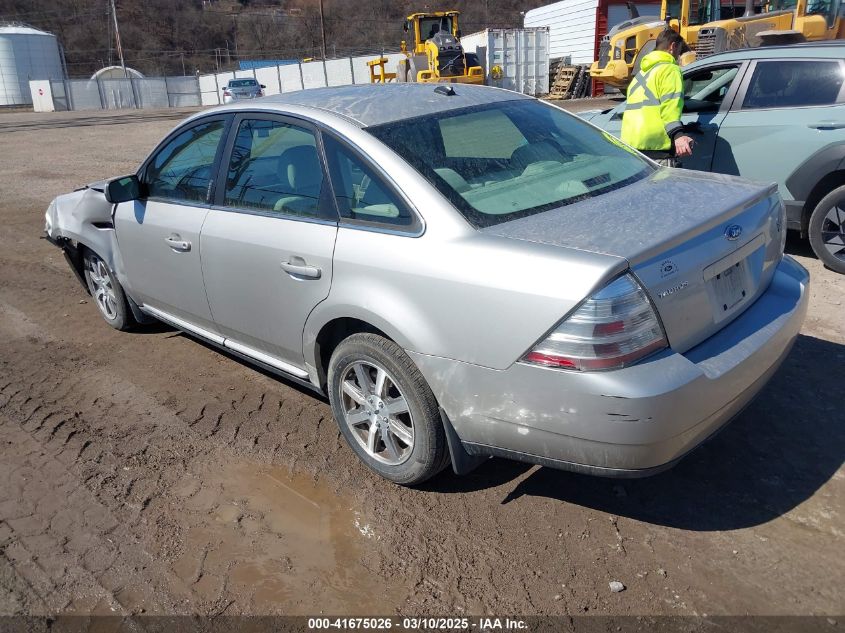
column 614, row 328
column 226, row 93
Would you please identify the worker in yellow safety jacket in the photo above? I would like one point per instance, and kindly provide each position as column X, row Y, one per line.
column 652, row 119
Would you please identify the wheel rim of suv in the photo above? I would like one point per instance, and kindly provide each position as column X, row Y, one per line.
column 377, row 413
column 103, row 290
column 833, row 231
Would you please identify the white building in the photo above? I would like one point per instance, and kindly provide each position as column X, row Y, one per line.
column 577, row 26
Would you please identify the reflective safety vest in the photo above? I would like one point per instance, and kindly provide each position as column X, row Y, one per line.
column 654, row 105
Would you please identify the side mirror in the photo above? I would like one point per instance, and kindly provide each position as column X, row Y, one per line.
column 262, row 85
column 123, row 189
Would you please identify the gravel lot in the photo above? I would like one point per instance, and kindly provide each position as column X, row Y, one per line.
column 148, row 473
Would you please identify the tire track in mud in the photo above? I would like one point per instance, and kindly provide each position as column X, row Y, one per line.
column 295, row 430
column 126, row 448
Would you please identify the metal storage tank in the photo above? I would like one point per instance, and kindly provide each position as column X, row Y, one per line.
column 26, row 53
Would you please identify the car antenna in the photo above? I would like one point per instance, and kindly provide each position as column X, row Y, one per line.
column 449, row 91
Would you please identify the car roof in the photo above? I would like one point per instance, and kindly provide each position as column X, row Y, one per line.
column 830, row 50
column 375, row 104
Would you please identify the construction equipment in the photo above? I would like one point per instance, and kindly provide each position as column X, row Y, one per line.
column 784, row 22
column 436, row 54
column 712, row 26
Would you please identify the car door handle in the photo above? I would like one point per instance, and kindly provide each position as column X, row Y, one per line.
column 297, row 267
column 827, row 125
column 178, row 244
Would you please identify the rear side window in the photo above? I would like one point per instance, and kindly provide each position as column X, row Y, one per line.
column 182, row 169
column 361, row 195
column 274, row 167
column 789, row 84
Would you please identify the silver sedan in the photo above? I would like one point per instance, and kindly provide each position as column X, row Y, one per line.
column 466, row 272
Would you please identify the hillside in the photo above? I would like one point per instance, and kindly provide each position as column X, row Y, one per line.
column 167, row 36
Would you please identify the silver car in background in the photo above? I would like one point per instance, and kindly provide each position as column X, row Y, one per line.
column 236, row 89
column 464, row 271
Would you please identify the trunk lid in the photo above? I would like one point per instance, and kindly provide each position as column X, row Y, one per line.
column 704, row 246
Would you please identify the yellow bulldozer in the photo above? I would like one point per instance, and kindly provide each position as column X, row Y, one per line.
column 713, row 26
column 435, row 53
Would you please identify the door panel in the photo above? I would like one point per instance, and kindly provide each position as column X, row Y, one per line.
column 704, row 138
column 159, row 243
column 253, row 299
column 708, row 93
column 159, row 236
column 267, row 246
column 780, row 120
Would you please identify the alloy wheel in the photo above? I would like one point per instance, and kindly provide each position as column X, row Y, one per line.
column 103, row 290
column 833, row 231
column 377, row 413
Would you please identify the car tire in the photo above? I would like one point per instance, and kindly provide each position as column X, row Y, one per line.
column 827, row 230
column 386, row 410
column 106, row 292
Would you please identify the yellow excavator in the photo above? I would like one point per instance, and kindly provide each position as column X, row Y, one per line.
column 784, row 22
column 713, row 26
column 435, row 54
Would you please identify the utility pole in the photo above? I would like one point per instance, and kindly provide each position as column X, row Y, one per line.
column 117, row 35
column 323, row 30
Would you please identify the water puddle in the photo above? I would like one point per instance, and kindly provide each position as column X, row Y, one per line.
column 277, row 543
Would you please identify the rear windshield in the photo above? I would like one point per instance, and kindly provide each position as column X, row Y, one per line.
column 506, row 160
column 242, row 83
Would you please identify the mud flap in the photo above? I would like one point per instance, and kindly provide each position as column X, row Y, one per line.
column 462, row 461
column 141, row 317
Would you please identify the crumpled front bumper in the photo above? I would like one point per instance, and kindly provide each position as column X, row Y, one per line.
column 630, row 422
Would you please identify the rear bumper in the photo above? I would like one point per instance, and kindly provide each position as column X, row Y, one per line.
column 631, row 422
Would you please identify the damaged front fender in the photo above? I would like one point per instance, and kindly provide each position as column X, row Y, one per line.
column 85, row 218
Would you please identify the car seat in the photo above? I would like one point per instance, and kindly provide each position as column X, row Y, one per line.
column 300, row 168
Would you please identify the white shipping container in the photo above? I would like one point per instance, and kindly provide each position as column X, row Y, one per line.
column 522, row 55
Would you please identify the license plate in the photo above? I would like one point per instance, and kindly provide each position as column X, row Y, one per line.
column 730, row 286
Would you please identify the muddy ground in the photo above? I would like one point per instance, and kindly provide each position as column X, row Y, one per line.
column 148, row 473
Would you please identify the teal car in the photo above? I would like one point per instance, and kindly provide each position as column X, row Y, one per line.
column 772, row 114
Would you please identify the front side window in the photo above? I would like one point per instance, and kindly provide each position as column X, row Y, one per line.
column 274, row 167
column 709, row 85
column 182, row 169
column 510, row 159
column 361, row 195
column 789, row 84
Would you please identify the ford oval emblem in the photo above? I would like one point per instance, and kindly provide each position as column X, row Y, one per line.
column 733, row 232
